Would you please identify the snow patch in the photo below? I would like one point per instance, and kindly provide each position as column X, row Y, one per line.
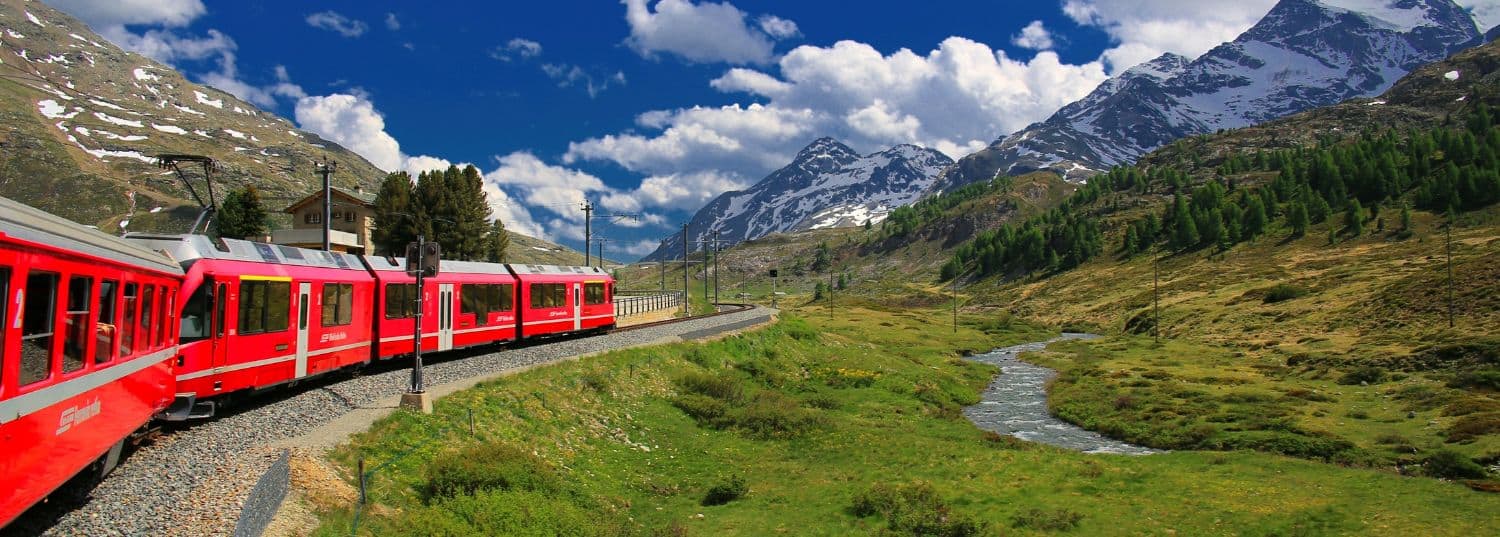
column 1374, row 103
column 117, row 121
column 169, row 128
column 14, row 34
column 52, row 110
column 143, row 75
column 189, row 110
column 203, row 99
column 1451, row 75
column 202, row 133
column 235, row 133
column 107, row 104
column 33, row 19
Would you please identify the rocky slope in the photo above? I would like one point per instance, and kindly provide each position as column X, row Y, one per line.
column 826, row 185
column 1303, row 54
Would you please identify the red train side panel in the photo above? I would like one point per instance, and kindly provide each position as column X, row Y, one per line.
column 558, row 300
column 85, row 345
column 466, row 304
column 259, row 315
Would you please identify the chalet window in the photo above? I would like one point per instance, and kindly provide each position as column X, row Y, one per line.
column 338, row 303
column 349, row 216
column 400, row 300
column 315, row 217
column 593, row 293
column 76, row 327
column 265, row 306
column 109, row 310
column 39, row 313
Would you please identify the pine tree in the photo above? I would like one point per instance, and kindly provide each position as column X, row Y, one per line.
column 1254, row 221
column 1186, row 234
column 496, row 242
column 1354, row 218
column 395, row 215
column 241, row 216
column 822, row 258
column 1129, row 245
column 1296, row 218
column 1405, row 218
column 470, row 214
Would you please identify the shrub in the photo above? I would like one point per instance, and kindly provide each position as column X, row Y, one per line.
column 1005, row 441
column 1448, row 464
column 1308, row 395
column 725, row 491
column 723, row 386
column 702, row 408
column 1473, row 426
column 914, row 509
column 594, row 380
column 1060, row 519
column 1488, row 379
column 1363, row 375
column 849, row 378
column 820, row 401
column 773, row 415
column 799, row 329
column 1282, row 292
column 487, row 466
column 501, row 513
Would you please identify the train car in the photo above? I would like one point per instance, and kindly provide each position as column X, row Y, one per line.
column 464, row 305
column 258, row 315
column 558, row 300
column 86, row 344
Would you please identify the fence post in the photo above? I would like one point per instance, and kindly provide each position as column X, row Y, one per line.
column 362, row 481
column 471, row 422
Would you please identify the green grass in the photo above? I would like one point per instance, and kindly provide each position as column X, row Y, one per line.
column 890, row 451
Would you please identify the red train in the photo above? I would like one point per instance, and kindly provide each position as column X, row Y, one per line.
column 104, row 334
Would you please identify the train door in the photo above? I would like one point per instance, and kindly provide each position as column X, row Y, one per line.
column 220, row 350
column 445, row 316
column 577, row 306
column 304, row 297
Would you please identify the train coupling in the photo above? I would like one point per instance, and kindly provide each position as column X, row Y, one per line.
column 186, row 406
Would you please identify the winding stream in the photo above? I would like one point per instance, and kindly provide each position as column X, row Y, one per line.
column 1015, row 404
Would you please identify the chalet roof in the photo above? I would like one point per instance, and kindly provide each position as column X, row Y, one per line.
column 339, row 196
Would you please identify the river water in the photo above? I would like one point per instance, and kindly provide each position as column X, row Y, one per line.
column 1015, row 404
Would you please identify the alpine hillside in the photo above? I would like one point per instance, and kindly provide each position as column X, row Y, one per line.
column 826, row 185
column 1303, row 54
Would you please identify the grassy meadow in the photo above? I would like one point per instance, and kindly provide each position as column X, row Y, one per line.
column 835, row 426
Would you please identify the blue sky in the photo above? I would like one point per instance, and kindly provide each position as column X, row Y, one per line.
column 655, row 106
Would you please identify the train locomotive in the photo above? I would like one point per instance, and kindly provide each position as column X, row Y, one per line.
column 104, row 336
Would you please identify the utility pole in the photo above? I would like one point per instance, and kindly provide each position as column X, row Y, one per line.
column 830, row 294
column 326, row 169
column 717, row 250
column 955, row 303
column 588, row 218
column 687, row 312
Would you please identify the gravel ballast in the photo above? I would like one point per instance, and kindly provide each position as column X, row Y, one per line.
column 193, row 480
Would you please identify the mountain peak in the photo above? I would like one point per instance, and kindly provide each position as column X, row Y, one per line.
column 826, row 145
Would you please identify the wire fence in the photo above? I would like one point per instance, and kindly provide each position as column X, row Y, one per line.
column 626, row 306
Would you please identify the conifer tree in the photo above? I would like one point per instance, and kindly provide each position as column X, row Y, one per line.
column 1296, row 218
column 496, row 242
column 1405, row 218
column 242, row 216
column 395, row 222
column 1254, row 221
column 1354, row 218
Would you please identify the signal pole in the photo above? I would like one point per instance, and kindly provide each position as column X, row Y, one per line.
column 1449, row 248
column 326, row 169
column 588, row 218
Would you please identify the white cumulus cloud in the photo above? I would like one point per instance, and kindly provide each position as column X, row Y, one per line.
column 336, row 22
column 704, row 32
column 517, row 48
column 1034, row 36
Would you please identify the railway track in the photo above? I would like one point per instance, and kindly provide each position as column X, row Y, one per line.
column 192, row 479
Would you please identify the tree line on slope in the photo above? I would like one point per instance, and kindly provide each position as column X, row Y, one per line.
column 1438, row 170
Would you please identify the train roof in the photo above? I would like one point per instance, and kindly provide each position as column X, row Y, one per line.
column 557, row 269
column 31, row 224
column 188, row 248
column 389, row 264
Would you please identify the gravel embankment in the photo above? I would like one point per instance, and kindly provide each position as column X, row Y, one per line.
column 193, row 480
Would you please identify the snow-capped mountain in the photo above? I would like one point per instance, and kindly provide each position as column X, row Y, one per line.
column 1303, row 54
column 826, row 185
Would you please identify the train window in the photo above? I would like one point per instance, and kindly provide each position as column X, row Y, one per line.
column 4, row 315
column 109, row 305
column 127, row 321
column 549, row 295
column 76, row 327
column 148, row 313
column 195, row 318
column 338, row 303
column 559, row 295
column 162, row 320
column 471, row 299
column 593, row 293
column 265, row 306
column 400, row 300
column 39, row 315
column 504, row 297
